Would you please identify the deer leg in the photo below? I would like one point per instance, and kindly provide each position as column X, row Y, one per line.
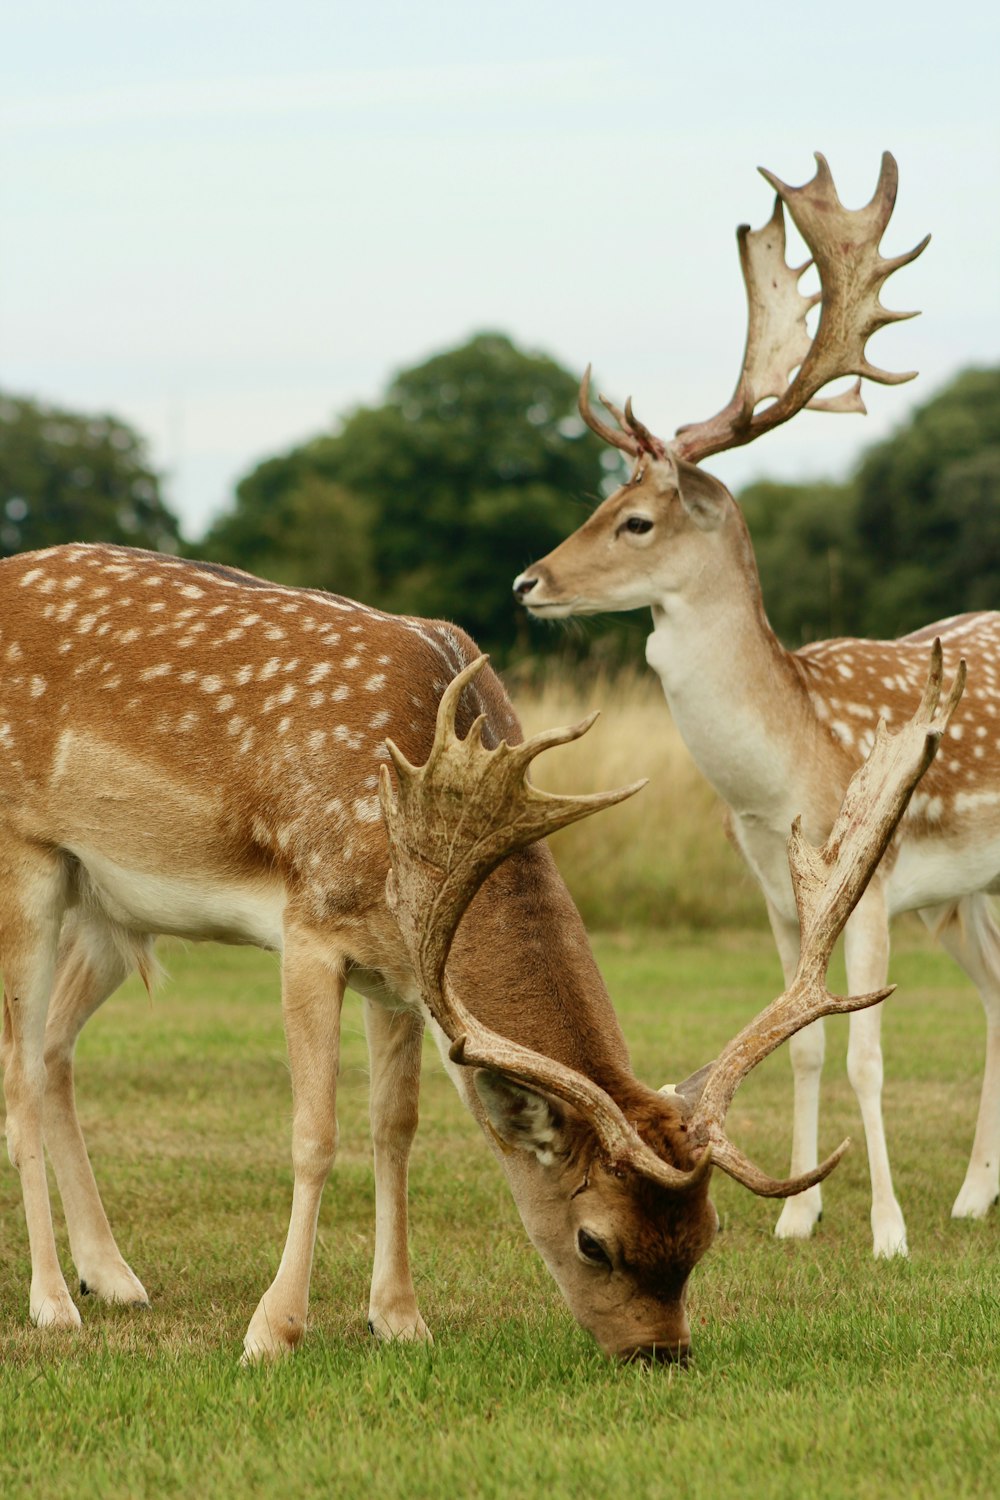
column 394, row 1042
column 90, row 968
column 866, row 952
column 800, row 1215
column 32, row 895
column 312, row 990
column 969, row 932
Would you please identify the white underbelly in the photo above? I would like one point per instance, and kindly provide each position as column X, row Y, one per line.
column 930, row 871
column 927, row 871
column 185, row 906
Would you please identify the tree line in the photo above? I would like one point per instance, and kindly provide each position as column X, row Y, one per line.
column 913, row 536
column 475, row 463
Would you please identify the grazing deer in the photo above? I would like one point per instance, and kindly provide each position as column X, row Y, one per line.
column 779, row 732
column 188, row 750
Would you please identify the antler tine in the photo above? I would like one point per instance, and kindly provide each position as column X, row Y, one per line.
column 777, row 338
column 617, row 413
column 648, row 442
column 623, row 440
column 828, row 882
column 850, row 400
column 844, row 247
column 638, row 436
column 732, row 1161
column 871, row 219
column 449, row 823
column 845, row 243
column 640, row 440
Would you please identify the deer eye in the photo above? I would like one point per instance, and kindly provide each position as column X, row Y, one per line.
column 592, row 1250
column 637, row 525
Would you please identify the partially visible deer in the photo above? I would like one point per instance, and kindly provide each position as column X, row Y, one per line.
column 186, row 749
column 779, row 732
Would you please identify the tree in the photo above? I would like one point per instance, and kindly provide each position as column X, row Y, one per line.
column 970, row 488
column 430, row 503
column 812, row 572
column 67, row 477
column 928, row 498
column 296, row 526
column 913, row 537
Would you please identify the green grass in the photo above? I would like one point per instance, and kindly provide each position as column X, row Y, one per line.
column 816, row 1371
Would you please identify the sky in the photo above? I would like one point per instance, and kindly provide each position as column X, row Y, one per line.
column 230, row 222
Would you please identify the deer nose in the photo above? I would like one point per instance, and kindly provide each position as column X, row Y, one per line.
column 657, row 1354
column 523, row 585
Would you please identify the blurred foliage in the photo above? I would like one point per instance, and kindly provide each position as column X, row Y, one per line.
column 476, row 463
column 66, row 477
column 912, row 538
column 928, row 509
column 430, row 504
column 812, row 570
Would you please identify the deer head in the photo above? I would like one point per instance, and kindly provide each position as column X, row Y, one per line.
column 613, row 1190
column 648, row 540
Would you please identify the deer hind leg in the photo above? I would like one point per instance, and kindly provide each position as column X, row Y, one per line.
column 92, row 964
column 32, row 898
column 968, row 931
column 866, row 953
column 394, row 1044
column 312, row 991
column 800, row 1215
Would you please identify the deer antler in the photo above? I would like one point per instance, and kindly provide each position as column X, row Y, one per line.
column 450, row 823
column 844, row 245
column 633, row 437
column 827, row 883
column 453, row 820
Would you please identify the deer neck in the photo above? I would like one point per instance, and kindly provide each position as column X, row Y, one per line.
column 733, row 690
column 523, row 964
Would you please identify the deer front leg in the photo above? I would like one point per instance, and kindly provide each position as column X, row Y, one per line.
column 90, row 968
column 31, row 891
column 800, row 1215
column 312, row 990
column 394, row 1042
column 866, row 954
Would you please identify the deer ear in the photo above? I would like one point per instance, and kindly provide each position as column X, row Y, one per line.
column 689, row 1092
column 521, row 1117
column 704, row 498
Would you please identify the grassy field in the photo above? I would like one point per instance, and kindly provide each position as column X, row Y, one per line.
column 816, row 1371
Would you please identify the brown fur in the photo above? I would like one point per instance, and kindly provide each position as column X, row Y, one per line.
column 185, row 748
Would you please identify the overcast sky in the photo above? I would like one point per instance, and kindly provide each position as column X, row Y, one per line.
column 229, row 221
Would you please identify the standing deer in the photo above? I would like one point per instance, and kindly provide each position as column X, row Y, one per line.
column 779, row 732
column 189, row 750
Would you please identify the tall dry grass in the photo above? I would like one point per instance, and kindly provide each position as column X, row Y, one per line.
column 660, row 859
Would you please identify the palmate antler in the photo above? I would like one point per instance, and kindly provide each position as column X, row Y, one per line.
column 844, row 245
column 451, row 822
column 454, row 819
